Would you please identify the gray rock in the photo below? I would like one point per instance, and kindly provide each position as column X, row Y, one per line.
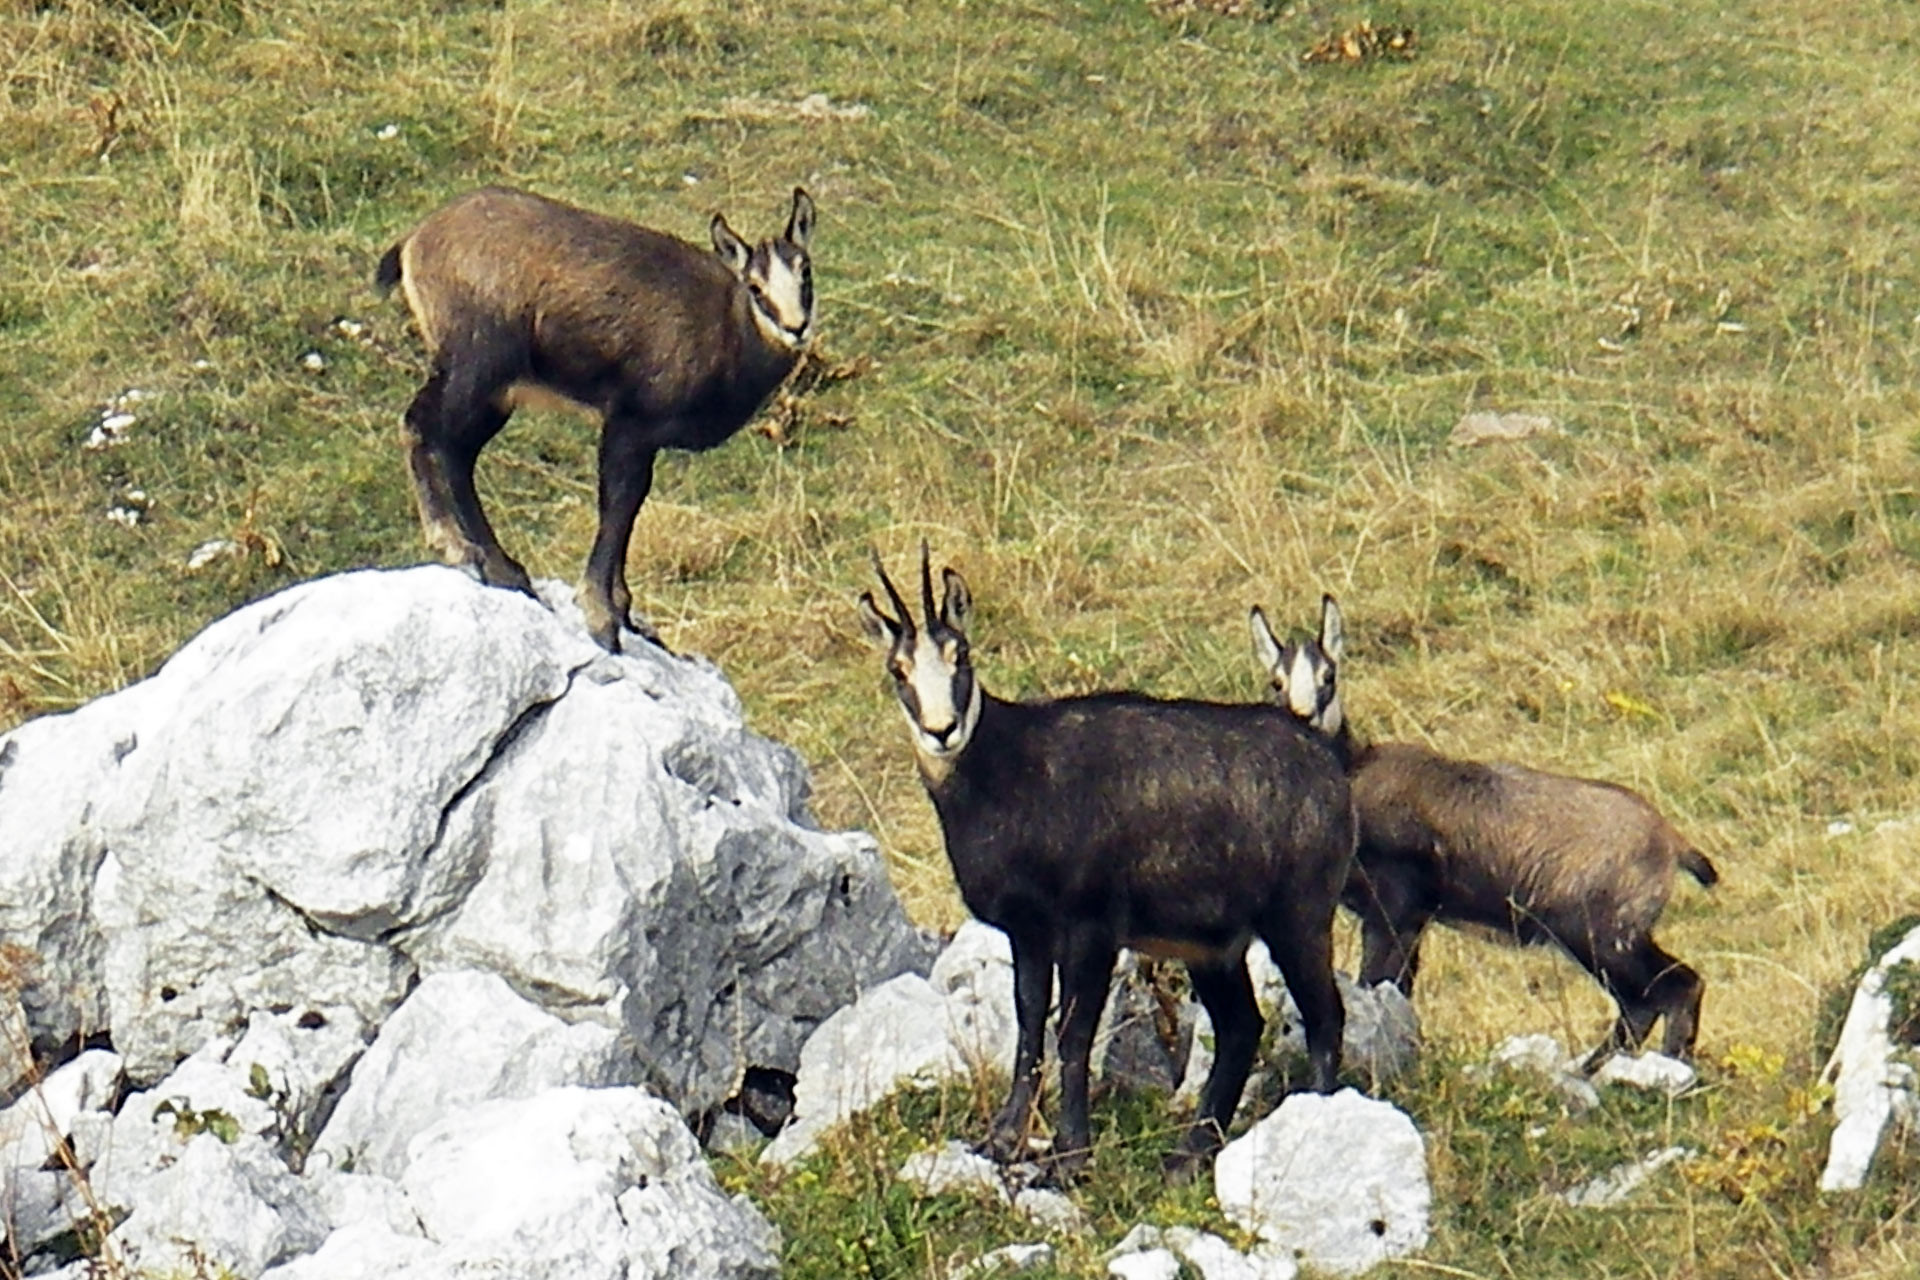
column 1620, row 1182
column 53, row 773
column 369, row 1250
column 44, row 1116
column 894, row 1035
column 957, row 1021
column 1652, row 1071
column 955, row 1167
column 346, row 1199
column 1209, row 1256
column 732, row 1134
column 1541, row 1055
column 35, row 1209
column 974, row 978
column 659, row 870
column 235, row 1206
column 1873, row 1081
column 1381, row 1038
column 499, row 793
column 460, row 1039
column 582, row 1183
column 1008, row 1259
column 16, row 1036
column 234, row 883
column 1149, row 1264
column 1337, row 1181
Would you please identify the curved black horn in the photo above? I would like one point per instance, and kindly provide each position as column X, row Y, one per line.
column 926, row 583
column 893, row 594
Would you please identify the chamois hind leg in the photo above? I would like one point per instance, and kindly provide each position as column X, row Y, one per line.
column 1226, row 993
column 626, row 477
column 437, row 524
column 1032, row 994
column 455, row 461
column 456, row 413
column 1301, row 944
column 1087, row 956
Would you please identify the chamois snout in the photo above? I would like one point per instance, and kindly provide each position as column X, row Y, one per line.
column 523, row 299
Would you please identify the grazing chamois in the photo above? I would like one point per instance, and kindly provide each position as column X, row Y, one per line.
column 524, row 299
column 1541, row 858
column 1081, row 825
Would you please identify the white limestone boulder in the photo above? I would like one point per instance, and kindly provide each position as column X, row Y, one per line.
column 233, row 1205
column 378, row 775
column 459, row 1039
column 893, row 1036
column 915, row 1032
column 1873, row 1079
column 1336, row 1181
column 582, row 1183
column 32, row 1129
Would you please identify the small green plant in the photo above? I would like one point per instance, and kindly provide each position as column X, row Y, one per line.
column 189, row 1123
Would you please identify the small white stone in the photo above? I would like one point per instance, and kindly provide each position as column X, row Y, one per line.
column 313, row 362
column 1154, row 1264
column 387, row 132
column 1653, row 1071
column 1621, row 1181
column 213, row 549
column 1009, row 1259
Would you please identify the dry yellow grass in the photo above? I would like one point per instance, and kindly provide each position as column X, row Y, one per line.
column 1161, row 324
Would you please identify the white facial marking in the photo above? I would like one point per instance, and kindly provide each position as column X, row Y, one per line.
column 780, row 307
column 1303, row 687
column 932, row 683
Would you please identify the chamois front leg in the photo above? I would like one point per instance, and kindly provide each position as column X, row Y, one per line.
column 1032, row 995
column 1086, row 972
column 626, row 477
column 1226, row 993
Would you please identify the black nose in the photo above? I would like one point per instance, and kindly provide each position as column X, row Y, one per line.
column 941, row 735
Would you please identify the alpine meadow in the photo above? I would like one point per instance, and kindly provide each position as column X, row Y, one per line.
column 1139, row 315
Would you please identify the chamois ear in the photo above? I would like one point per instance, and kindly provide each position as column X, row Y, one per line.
column 1265, row 647
column 732, row 249
column 1333, row 631
column 800, row 222
column 956, row 611
column 880, row 629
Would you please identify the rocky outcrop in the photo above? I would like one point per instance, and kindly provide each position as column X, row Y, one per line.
column 392, row 871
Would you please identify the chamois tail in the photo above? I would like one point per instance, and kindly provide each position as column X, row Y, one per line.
column 387, row 274
column 1697, row 866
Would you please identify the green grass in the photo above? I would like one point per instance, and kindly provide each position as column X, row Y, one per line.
column 1160, row 323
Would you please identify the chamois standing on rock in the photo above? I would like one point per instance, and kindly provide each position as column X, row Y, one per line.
column 1541, row 858
column 521, row 298
column 1080, row 825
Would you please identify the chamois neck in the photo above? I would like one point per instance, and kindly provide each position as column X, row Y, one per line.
column 1350, row 751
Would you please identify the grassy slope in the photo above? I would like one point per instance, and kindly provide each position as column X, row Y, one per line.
column 1161, row 323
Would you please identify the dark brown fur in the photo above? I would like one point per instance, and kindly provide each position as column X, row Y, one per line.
column 1539, row 857
column 520, row 297
column 1180, row 828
